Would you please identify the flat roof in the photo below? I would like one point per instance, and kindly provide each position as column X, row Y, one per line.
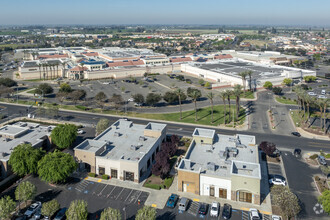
column 201, row 132
column 34, row 134
column 216, row 159
column 123, row 140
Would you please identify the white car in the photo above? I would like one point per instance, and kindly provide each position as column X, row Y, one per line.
column 106, row 83
column 130, row 100
column 214, row 211
column 322, row 97
column 276, row 217
column 254, row 214
column 311, row 93
column 277, row 181
column 79, row 131
column 32, row 209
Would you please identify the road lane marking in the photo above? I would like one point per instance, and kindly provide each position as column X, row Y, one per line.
column 138, row 196
column 128, row 195
column 111, row 191
column 119, row 193
column 100, row 193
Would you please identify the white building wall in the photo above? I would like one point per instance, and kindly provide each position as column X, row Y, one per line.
column 206, row 182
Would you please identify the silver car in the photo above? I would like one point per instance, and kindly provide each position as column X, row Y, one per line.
column 32, row 209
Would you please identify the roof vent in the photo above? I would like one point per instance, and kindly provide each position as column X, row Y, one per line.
column 134, row 147
column 211, row 166
column 116, row 134
column 142, row 138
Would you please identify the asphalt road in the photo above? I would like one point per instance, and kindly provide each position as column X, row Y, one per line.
column 282, row 141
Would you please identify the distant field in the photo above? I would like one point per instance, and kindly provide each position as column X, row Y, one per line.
column 259, row 43
column 15, row 46
column 193, row 31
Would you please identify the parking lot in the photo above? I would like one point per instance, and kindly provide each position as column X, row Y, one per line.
column 192, row 213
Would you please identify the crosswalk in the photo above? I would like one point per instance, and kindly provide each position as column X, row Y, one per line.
column 82, row 186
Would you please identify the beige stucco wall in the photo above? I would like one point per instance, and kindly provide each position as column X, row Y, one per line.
column 86, row 157
column 244, row 183
column 205, row 140
column 188, row 177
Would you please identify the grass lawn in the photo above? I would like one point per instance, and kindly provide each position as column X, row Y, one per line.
column 32, row 91
column 286, row 101
column 296, row 117
column 248, row 95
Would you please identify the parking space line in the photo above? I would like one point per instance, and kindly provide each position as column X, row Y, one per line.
column 111, row 191
column 100, row 193
column 128, row 195
column 119, row 193
column 138, row 197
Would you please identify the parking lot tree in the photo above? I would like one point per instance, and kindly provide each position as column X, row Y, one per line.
column 153, row 98
column 268, row 85
column 201, row 82
column 7, row 207
column 101, row 97
column 309, row 79
column 24, row 159
column 25, row 191
column 55, row 167
column 64, row 87
column 123, row 89
column 286, row 200
column 250, row 73
column 5, row 91
column 287, row 81
column 267, row 147
column 181, row 97
column 110, row 214
column 77, row 210
column 171, row 97
column 7, row 82
column 147, row 212
column 117, row 100
column 243, row 75
column 102, row 125
column 277, row 90
column 50, row 208
column 194, row 94
column 207, row 85
column 63, row 135
column 324, row 199
column 77, row 95
column 138, row 98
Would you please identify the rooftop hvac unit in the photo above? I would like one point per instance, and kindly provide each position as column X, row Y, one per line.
column 142, row 138
column 134, row 147
column 211, row 166
column 116, row 134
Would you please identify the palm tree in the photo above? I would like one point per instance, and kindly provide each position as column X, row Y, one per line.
column 179, row 93
column 82, row 66
column 308, row 101
column 223, row 96
column 228, row 94
column 39, row 65
column 237, row 93
column 243, row 76
column 211, row 96
column 321, row 104
column 63, row 73
column 325, row 107
column 249, row 72
column 195, row 95
column 56, row 69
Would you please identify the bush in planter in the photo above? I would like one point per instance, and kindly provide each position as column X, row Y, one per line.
column 168, row 182
column 92, row 174
column 313, row 157
column 105, row 176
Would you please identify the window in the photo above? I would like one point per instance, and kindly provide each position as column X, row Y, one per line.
column 212, row 191
column 245, row 197
column 222, row 193
column 128, row 176
column 114, row 173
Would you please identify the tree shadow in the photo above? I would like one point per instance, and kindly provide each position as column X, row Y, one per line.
column 166, row 216
column 48, row 195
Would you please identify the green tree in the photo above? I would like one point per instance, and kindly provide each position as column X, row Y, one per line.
column 25, row 191
column 56, row 166
column 237, row 93
column 286, row 200
column 110, row 214
column 63, row 136
column 146, row 213
column 181, row 97
column 49, row 208
column 66, row 88
column 101, row 98
column 268, row 85
column 44, row 89
column 24, row 159
column 223, row 96
column 324, row 199
column 138, row 98
column 77, row 210
column 7, row 82
column 243, row 75
column 102, row 125
column 249, row 72
column 211, row 96
column 207, row 85
column 77, row 95
column 309, row 79
column 277, row 90
column 201, row 82
column 7, row 207
column 228, row 94
column 195, row 95
column 287, row 81
column 153, row 98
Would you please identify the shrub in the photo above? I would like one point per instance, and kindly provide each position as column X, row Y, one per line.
column 105, row 177
column 327, row 156
column 284, row 97
column 289, row 98
column 81, row 107
column 317, row 178
column 313, row 157
column 168, row 182
column 92, row 174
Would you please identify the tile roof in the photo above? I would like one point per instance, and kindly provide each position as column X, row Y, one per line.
column 180, row 59
column 51, row 56
column 91, row 54
column 223, row 56
column 78, row 68
column 128, row 63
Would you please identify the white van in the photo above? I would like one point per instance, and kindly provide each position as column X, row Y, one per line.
column 323, row 92
column 183, row 204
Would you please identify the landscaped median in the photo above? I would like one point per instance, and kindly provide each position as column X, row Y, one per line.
column 286, row 101
column 204, row 115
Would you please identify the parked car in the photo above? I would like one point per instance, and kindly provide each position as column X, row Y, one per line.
column 323, row 92
column 61, row 214
column 79, row 131
column 226, row 212
column 311, row 93
column 297, row 152
column 37, row 214
column 202, row 211
column 322, row 97
column 254, row 214
column 276, row 217
column 214, row 211
column 172, row 200
column 138, row 104
column 277, row 180
column 32, row 209
column 322, row 160
column 183, row 204
column 296, row 134
column 130, row 99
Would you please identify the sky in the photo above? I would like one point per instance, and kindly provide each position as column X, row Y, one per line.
column 111, row 12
